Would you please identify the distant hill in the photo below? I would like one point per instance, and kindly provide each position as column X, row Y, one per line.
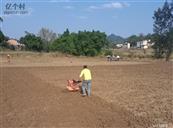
column 115, row 39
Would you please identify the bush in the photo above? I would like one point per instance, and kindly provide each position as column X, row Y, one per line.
column 108, row 52
column 91, row 52
column 32, row 42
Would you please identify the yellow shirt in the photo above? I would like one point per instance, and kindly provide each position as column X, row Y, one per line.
column 86, row 73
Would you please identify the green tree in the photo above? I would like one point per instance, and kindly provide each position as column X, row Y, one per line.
column 2, row 37
column 66, row 33
column 169, row 44
column 1, row 19
column 148, row 37
column 163, row 25
column 65, row 43
column 3, row 40
column 32, row 42
column 82, row 43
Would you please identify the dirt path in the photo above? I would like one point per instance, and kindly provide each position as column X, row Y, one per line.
column 27, row 101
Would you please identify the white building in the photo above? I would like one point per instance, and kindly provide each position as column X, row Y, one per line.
column 143, row 44
column 119, row 45
column 128, row 45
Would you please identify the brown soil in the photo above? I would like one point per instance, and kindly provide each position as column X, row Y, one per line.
column 123, row 96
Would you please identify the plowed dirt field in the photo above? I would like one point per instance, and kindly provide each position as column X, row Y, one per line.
column 123, row 96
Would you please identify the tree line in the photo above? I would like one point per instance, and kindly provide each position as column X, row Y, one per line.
column 83, row 43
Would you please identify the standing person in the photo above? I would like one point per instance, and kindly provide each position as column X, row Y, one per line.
column 8, row 58
column 85, row 75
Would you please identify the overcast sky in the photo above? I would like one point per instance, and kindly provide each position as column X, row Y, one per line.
column 120, row 17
